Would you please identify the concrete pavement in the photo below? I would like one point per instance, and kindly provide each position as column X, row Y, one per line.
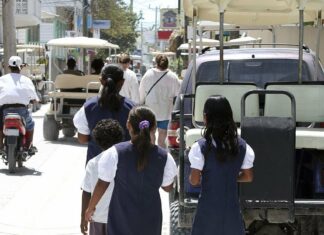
column 44, row 197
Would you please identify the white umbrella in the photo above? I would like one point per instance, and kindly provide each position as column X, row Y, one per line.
column 81, row 42
column 254, row 12
column 185, row 46
column 206, row 42
column 242, row 41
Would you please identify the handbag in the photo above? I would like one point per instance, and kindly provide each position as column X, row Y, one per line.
column 155, row 84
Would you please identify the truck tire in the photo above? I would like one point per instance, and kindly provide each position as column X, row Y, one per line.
column 174, row 213
column 11, row 158
column 306, row 225
column 68, row 132
column 50, row 128
column 320, row 225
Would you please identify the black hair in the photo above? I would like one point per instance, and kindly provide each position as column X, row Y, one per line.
column 142, row 120
column 107, row 132
column 97, row 65
column 162, row 61
column 71, row 63
column 221, row 127
column 110, row 97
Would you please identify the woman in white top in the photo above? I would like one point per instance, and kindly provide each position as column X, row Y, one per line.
column 158, row 88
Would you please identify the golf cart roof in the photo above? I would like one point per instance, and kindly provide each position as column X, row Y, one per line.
column 81, row 42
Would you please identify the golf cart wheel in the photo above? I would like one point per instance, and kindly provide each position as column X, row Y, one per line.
column 174, row 219
column 50, row 128
column 68, row 132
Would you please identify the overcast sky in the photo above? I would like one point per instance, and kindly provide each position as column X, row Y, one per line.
column 148, row 8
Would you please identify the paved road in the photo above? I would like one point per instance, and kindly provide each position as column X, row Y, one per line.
column 44, row 197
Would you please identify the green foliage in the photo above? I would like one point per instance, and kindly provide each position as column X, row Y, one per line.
column 123, row 22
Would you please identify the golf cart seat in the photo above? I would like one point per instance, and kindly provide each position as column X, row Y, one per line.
column 273, row 140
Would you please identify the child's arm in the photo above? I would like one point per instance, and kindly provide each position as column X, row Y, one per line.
column 99, row 190
column 85, row 202
column 168, row 188
column 194, row 177
column 83, row 139
column 246, row 175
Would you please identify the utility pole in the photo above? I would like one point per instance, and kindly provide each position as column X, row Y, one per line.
column 131, row 6
column 9, row 30
column 155, row 42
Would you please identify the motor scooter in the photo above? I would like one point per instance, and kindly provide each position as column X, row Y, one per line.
column 15, row 151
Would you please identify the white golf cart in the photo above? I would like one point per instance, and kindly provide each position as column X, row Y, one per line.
column 69, row 92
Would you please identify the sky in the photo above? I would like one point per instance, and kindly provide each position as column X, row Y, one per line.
column 148, row 9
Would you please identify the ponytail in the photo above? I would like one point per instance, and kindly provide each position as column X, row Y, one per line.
column 143, row 121
column 110, row 97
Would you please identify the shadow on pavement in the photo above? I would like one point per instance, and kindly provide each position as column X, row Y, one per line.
column 67, row 141
column 21, row 171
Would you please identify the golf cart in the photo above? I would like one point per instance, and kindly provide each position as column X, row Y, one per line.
column 69, row 92
column 276, row 95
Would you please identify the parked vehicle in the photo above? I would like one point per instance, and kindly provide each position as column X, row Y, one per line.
column 15, row 153
column 284, row 129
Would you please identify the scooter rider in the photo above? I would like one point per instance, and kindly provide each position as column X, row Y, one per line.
column 16, row 92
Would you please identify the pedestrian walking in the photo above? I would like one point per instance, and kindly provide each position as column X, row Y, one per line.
column 108, row 105
column 138, row 168
column 218, row 161
column 158, row 88
column 130, row 87
column 106, row 133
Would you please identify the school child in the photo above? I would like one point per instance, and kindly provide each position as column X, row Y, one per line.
column 218, row 161
column 109, row 104
column 138, row 168
column 106, row 133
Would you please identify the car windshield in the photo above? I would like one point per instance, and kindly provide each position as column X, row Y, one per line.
column 258, row 72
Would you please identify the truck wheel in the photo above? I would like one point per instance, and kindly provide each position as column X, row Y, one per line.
column 11, row 157
column 306, row 225
column 50, row 128
column 68, row 132
column 174, row 218
column 320, row 225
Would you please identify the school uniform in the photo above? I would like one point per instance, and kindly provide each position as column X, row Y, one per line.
column 91, row 113
column 218, row 210
column 135, row 206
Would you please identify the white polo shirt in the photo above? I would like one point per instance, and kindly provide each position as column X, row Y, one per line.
column 89, row 182
column 16, row 89
column 130, row 86
column 197, row 159
column 107, row 167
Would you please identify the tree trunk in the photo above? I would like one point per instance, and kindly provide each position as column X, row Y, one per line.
column 9, row 30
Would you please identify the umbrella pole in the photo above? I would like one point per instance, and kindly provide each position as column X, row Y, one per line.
column 301, row 41
column 318, row 42
column 194, row 37
column 221, row 47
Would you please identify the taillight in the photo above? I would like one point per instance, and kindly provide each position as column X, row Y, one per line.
column 321, row 124
column 173, row 134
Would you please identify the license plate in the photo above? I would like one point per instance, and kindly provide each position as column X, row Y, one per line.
column 11, row 132
column 73, row 110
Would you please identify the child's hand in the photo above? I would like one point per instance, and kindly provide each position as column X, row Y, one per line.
column 84, row 225
column 88, row 214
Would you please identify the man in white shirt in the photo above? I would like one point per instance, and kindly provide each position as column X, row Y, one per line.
column 16, row 92
column 131, row 86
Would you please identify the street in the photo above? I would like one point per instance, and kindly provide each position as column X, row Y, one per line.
column 44, row 197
